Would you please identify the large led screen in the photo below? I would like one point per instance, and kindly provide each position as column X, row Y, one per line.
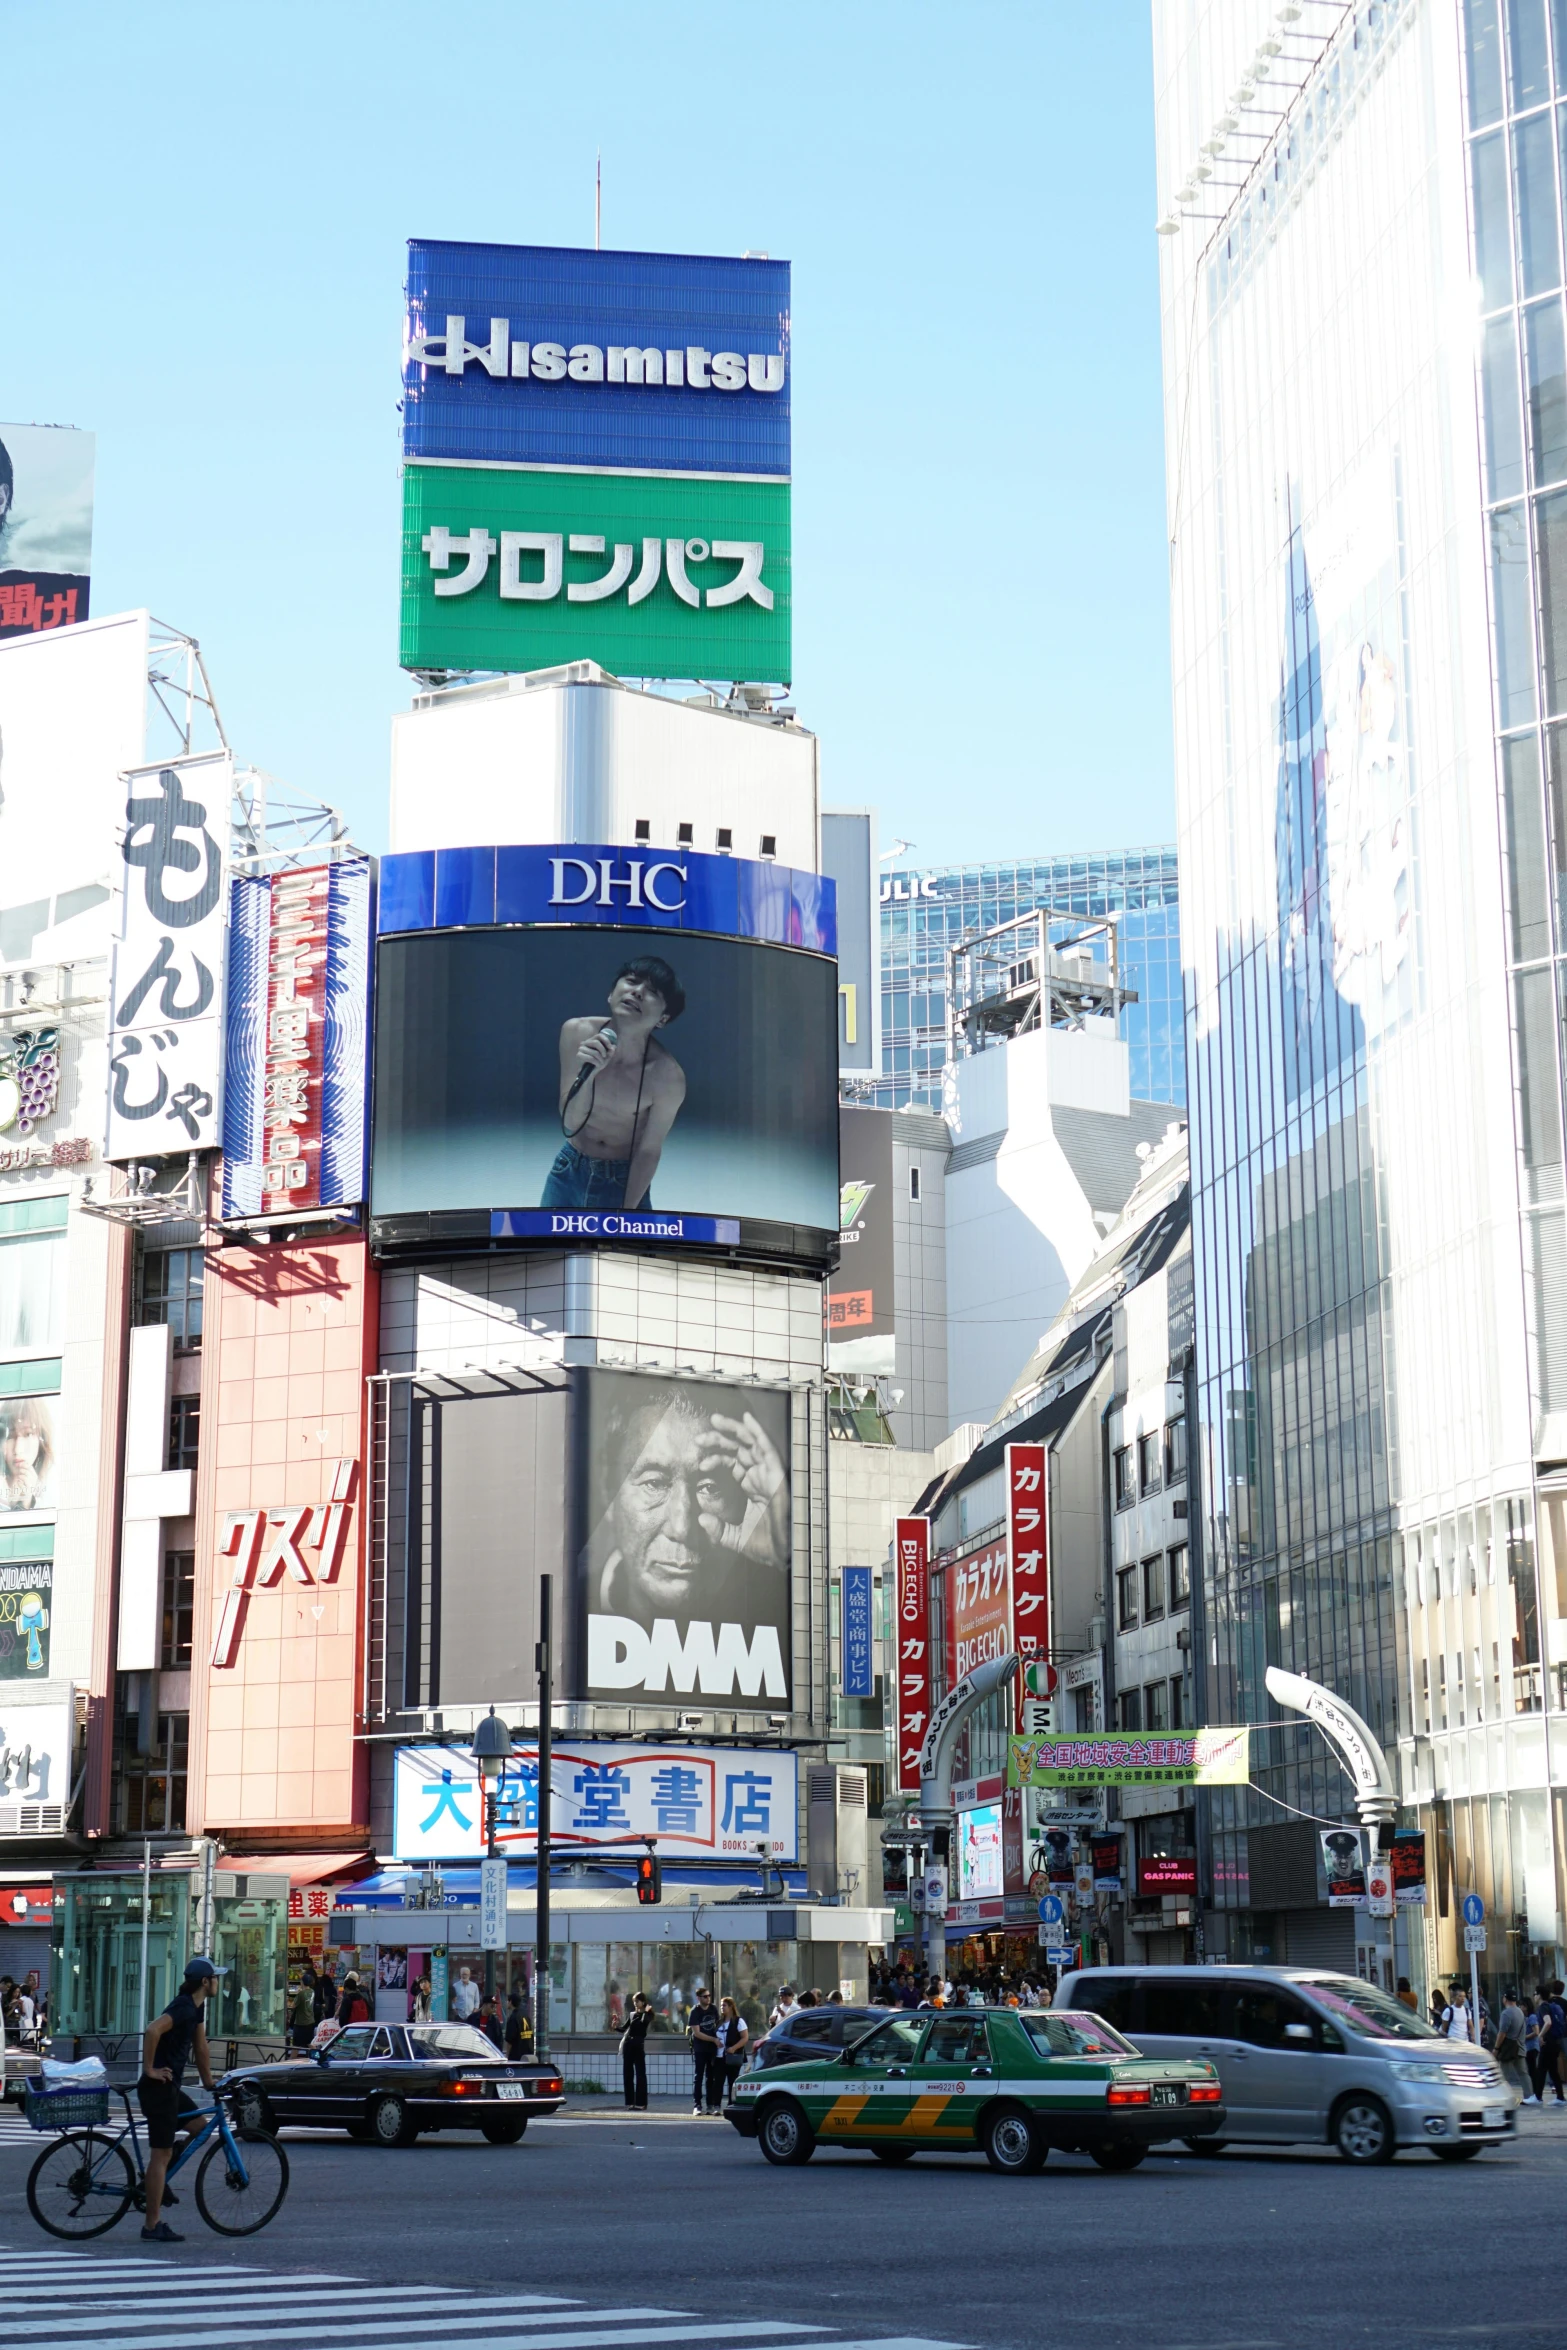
column 684, row 1527
column 587, row 1071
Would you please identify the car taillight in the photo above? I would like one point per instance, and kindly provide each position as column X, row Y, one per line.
column 1130, row 2097
column 554, row 2087
column 1204, row 2093
column 462, row 2088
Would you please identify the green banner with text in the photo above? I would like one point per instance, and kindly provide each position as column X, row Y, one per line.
column 651, row 575
column 1109, row 1758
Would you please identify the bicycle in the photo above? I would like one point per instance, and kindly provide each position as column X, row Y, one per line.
column 86, row 2181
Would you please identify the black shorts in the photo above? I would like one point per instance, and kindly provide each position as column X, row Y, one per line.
column 165, row 2108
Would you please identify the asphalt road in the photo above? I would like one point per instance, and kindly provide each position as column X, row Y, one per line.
column 662, row 2216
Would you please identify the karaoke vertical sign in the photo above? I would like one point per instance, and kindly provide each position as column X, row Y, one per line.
column 1028, row 1560
column 911, row 1547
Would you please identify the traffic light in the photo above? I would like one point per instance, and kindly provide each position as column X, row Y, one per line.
column 650, row 1878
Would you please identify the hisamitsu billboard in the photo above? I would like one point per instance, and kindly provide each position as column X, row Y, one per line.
column 596, row 461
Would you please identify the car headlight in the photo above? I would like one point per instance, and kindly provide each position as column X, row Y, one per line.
column 1429, row 2076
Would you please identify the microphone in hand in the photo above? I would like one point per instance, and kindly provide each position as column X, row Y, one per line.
column 592, row 1062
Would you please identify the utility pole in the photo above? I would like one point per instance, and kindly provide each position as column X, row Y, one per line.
column 544, row 1664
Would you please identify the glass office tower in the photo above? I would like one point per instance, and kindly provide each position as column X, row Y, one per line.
column 925, row 913
column 1372, row 999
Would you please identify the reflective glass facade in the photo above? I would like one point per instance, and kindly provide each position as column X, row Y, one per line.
column 1372, row 1166
column 925, row 914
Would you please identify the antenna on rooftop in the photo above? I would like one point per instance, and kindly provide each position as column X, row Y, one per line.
column 598, row 201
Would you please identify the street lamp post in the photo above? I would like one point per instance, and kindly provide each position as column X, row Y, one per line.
column 544, row 1662
column 492, row 1752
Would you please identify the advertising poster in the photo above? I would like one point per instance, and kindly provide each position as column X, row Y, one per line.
column 979, row 1599
column 911, row 1627
column 1344, row 1863
column 981, row 1875
column 1409, row 1868
column 170, row 960
column 724, row 1803
column 1192, row 1758
column 296, row 1084
column 46, row 493
column 860, row 1329
column 1105, row 1853
column 26, row 1605
column 685, row 1516
column 574, row 1071
column 36, row 1747
column 1166, row 1873
column 29, row 1452
column 1028, row 1559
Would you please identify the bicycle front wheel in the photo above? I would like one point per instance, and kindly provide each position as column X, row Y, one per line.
column 81, row 2185
column 237, row 2200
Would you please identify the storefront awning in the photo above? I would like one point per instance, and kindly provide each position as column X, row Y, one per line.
column 300, row 1868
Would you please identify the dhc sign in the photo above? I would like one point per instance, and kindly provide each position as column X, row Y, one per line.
column 735, row 897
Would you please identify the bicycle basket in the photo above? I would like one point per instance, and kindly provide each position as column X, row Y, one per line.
column 66, row 2109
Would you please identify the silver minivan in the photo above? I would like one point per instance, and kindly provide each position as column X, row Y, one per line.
column 1309, row 2057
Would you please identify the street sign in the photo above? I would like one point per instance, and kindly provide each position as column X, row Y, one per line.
column 1057, row 1956
column 1474, row 1936
column 1380, row 1896
column 1050, row 1910
column 492, row 1905
column 936, row 1892
column 1474, row 1911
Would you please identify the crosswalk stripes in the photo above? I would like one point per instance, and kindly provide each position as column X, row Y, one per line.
column 146, row 2300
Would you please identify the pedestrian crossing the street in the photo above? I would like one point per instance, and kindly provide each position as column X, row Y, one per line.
column 147, row 2298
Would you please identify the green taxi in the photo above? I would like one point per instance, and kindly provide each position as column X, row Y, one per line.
column 1010, row 2083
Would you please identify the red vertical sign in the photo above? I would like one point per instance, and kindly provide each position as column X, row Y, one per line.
column 1028, row 1554
column 291, row 1164
column 911, row 1546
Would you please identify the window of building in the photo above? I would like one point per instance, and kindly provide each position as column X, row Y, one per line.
column 179, row 1606
column 32, row 1275
column 1083, row 1708
column 149, row 1784
column 171, row 1280
column 1130, row 1707
column 1156, row 1706
column 1126, row 1599
column 1125, row 1483
column 914, row 1183
column 184, row 1431
column 1178, row 1720
column 1148, row 1462
column 1174, row 1451
column 1180, row 1577
column 1153, row 1588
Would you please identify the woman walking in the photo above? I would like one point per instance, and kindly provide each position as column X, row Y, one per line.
column 633, row 2052
column 734, row 2045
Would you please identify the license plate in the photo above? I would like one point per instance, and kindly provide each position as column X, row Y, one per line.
column 1166, row 2096
column 511, row 2090
column 1495, row 2117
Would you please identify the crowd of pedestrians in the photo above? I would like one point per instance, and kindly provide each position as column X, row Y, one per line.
column 24, row 2010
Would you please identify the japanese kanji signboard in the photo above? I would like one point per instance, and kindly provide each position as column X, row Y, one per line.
column 727, row 1803
column 1190, row 1758
column 911, row 1638
column 296, row 1063
column 856, row 1657
column 1028, row 1560
column 170, row 928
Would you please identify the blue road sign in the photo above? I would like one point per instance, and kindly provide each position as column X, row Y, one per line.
column 1474, row 1910
column 1050, row 1910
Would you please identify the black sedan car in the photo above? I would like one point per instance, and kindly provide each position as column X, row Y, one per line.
column 389, row 2082
column 815, row 2031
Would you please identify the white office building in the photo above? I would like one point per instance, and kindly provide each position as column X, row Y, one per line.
column 1366, row 438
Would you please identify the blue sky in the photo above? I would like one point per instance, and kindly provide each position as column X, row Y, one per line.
column 219, row 200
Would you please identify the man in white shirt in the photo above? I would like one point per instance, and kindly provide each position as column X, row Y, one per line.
column 465, row 1996
column 784, row 2004
column 1456, row 2021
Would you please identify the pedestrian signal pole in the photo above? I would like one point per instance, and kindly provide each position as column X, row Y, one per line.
column 544, row 1662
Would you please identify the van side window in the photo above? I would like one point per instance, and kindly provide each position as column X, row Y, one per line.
column 1258, row 2015
column 1109, row 1996
column 1181, row 2011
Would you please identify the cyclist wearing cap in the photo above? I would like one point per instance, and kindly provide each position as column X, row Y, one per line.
column 168, row 2044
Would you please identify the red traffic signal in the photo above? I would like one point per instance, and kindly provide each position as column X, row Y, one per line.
column 650, row 1878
